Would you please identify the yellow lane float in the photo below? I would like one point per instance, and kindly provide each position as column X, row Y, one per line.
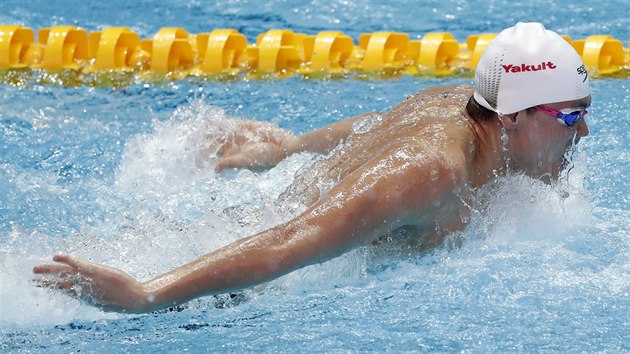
column 175, row 52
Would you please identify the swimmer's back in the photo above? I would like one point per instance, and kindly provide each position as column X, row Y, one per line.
column 420, row 125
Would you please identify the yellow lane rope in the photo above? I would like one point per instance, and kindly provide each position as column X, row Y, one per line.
column 279, row 52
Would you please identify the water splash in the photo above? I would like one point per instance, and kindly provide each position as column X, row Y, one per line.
column 165, row 207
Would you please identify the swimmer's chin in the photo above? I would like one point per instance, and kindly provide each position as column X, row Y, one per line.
column 549, row 175
column 553, row 176
column 547, row 178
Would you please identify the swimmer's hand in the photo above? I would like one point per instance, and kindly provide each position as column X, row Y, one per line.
column 255, row 145
column 98, row 285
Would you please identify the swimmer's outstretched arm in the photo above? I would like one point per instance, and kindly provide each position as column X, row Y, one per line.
column 366, row 204
column 272, row 144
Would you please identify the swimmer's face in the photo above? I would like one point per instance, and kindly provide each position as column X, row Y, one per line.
column 543, row 144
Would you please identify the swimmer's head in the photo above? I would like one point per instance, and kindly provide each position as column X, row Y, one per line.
column 527, row 65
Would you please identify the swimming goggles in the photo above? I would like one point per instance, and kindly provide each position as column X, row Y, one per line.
column 568, row 119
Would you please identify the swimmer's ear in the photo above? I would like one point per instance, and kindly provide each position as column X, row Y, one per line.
column 509, row 121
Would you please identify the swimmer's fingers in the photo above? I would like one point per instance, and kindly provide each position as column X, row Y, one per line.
column 57, row 276
column 55, row 269
column 250, row 132
column 233, row 146
column 65, row 266
column 225, row 149
column 253, row 156
column 67, row 284
column 236, row 161
column 77, row 263
column 71, row 286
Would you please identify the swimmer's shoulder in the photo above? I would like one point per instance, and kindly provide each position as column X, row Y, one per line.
column 452, row 95
column 447, row 89
column 449, row 132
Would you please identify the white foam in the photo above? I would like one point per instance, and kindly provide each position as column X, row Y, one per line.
column 166, row 207
column 520, row 209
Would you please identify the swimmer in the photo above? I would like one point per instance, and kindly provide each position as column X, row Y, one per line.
column 416, row 168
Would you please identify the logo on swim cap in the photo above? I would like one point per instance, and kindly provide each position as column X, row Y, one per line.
column 582, row 71
column 527, row 65
column 511, row 68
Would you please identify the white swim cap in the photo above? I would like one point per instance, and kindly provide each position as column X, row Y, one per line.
column 527, row 65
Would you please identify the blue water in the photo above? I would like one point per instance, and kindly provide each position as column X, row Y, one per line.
column 120, row 176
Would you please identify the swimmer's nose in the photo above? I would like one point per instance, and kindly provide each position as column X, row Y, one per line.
column 581, row 129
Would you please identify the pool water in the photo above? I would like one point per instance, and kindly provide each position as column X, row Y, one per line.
column 123, row 176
